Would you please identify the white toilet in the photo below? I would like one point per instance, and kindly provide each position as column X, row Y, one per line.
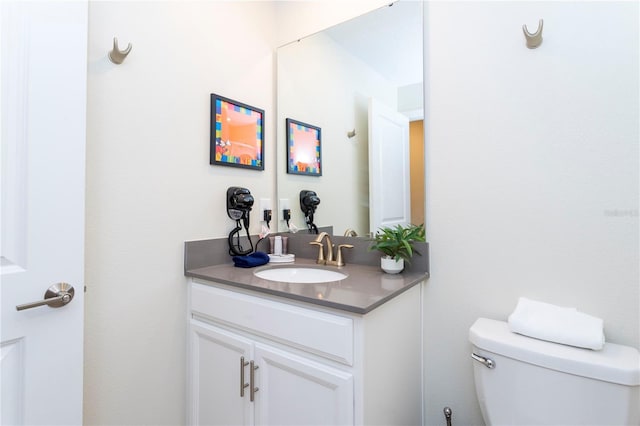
column 525, row 381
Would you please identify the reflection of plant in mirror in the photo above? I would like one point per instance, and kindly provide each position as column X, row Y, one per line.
column 397, row 242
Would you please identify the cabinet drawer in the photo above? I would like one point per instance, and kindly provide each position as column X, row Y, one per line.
column 324, row 334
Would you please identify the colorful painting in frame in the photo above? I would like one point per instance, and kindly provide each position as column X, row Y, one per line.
column 237, row 134
column 304, row 153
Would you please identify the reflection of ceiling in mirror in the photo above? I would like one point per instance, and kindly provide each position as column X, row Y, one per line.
column 385, row 38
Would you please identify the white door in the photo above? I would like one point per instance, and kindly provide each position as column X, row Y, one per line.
column 297, row 391
column 43, row 94
column 389, row 172
column 219, row 364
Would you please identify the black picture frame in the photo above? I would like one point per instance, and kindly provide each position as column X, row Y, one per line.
column 304, row 148
column 237, row 134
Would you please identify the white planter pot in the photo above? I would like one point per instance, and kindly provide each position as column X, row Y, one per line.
column 391, row 266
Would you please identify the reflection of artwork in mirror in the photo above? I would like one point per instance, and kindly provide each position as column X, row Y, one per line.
column 303, row 148
column 237, row 134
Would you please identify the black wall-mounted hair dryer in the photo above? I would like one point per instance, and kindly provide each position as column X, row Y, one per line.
column 239, row 203
column 309, row 201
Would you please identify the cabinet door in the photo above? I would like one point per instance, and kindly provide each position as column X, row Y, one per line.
column 297, row 391
column 215, row 377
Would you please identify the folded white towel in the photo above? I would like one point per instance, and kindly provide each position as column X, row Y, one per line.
column 556, row 324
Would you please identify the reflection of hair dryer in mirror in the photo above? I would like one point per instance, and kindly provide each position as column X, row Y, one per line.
column 239, row 203
column 309, row 201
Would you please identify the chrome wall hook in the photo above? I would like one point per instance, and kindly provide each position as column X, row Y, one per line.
column 351, row 133
column 116, row 55
column 533, row 40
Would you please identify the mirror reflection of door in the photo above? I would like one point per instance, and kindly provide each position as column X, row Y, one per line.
column 396, row 182
column 389, row 170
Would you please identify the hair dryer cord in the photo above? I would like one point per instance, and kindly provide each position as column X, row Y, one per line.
column 235, row 248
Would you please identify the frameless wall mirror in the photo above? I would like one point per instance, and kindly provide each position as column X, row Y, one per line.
column 332, row 80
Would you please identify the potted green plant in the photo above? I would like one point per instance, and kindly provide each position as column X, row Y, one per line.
column 397, row 245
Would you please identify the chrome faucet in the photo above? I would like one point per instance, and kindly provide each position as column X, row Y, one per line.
column 329, row 257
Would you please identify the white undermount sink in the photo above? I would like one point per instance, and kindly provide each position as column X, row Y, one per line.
column 299, row 274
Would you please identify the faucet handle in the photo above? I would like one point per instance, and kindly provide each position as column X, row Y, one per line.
column 320, row 251
column 339, row 260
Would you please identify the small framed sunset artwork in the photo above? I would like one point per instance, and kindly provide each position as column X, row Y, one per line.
column 237, row 134
column 304, row 153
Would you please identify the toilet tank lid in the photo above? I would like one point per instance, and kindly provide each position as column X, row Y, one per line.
column 614, row 363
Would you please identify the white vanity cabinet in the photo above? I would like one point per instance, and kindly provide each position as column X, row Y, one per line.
column 259, row 359
column 215, row 396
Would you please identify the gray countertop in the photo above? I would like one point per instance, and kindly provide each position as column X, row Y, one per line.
column 365, row 288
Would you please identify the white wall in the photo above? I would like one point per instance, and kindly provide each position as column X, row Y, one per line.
column 532, row 163
column 150, row 186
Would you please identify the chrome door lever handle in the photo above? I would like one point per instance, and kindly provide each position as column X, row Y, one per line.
column 56, row 296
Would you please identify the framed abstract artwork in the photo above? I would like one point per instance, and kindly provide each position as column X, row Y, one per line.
column 304, row 148
column 237, row 134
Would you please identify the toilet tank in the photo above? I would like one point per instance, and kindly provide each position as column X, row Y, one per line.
column 534, row 382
